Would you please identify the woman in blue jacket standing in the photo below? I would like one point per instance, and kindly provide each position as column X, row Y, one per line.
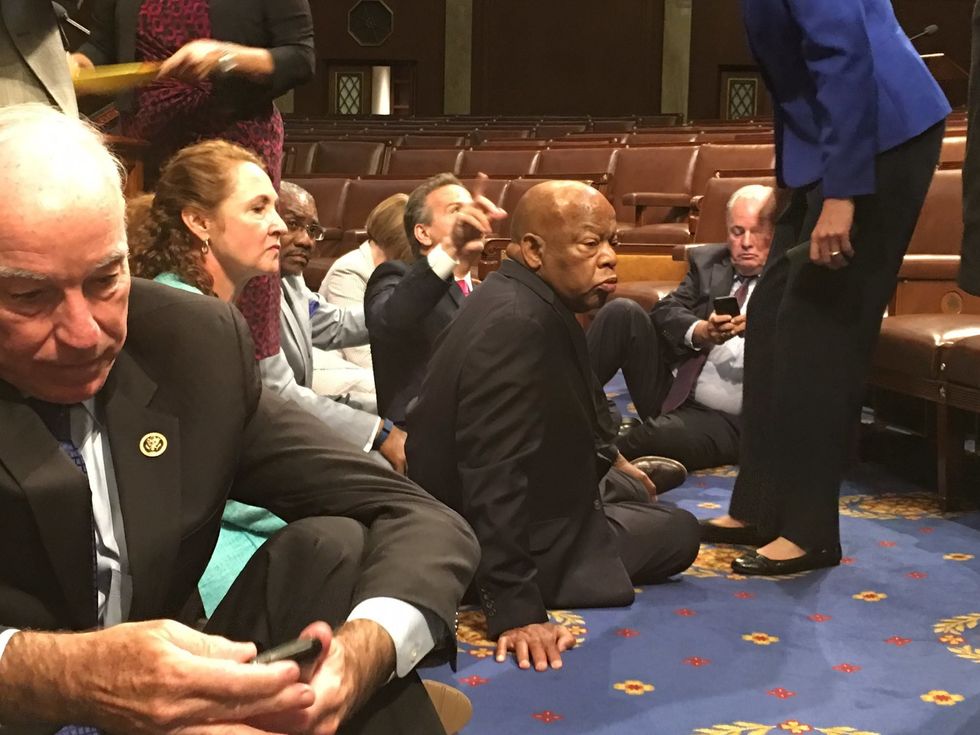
column 859, row 123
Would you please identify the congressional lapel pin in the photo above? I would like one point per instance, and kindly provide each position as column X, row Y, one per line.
column 153, row 444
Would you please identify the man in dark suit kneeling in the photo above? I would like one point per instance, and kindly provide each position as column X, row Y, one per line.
column 131, row 412
column 512, row 430
column 683, row 362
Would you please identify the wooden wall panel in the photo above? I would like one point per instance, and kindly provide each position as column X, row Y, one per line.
column 567, row 56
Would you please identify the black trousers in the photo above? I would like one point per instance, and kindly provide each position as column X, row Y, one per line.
column 308, row 571
column 809, row 345
column 655, row 540
column 623, row 336
column 970, row 256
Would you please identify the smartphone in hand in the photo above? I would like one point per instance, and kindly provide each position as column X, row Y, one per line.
column 727, row 306
column 300, row 650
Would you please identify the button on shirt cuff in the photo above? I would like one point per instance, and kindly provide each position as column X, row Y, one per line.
column 413, row 631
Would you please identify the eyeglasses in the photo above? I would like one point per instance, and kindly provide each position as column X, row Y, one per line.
column 314, row 230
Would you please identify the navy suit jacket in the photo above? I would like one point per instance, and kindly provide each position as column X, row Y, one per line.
column 846, row 85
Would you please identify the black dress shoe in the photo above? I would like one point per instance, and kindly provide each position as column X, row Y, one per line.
column 628, row 424
column 754, row 563
column 665, row 473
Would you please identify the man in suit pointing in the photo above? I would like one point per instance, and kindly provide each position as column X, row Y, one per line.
column 131, row 413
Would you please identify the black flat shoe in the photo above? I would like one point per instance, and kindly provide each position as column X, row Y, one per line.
column 741, row 536
column 665, row 473
column 755, row 564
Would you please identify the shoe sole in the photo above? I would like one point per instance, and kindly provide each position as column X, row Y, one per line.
column 453, row 707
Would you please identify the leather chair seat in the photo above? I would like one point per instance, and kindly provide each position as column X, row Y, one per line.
column 918, row 344
column 963, row 362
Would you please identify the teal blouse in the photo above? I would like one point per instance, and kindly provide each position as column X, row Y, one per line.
column 244, row 528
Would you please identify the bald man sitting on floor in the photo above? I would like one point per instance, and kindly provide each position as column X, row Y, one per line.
column 511, row 429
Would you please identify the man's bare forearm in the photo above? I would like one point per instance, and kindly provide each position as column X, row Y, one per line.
column 370, row 659
column 36, row 677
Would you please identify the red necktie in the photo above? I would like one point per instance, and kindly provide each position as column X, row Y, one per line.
column 464, row 287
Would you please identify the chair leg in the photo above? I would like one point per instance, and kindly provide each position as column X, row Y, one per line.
column 950, row 459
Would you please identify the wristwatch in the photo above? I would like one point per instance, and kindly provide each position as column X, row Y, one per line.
column 382, row 435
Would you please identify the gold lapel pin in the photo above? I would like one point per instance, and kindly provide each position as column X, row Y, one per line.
column 153, row 444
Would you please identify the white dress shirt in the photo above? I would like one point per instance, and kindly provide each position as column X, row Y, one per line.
column 719, row 385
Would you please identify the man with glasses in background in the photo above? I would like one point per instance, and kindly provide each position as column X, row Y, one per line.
column 307, row 320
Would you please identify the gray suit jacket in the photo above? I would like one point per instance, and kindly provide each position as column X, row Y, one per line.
column 328, row 327
column 290, row 372
column 34, row 34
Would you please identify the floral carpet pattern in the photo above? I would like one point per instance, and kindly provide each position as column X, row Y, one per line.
column 886, row 644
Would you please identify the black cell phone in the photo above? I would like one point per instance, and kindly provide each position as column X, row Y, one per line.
column 300, row 650
column 727, row 305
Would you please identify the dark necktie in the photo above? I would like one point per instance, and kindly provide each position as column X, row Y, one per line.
column 57, row 418
column 690, row 370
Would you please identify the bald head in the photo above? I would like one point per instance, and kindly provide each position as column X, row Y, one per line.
column 564, row 231
column 291, row 195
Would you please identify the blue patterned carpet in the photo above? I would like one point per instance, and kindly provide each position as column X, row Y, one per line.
column 885, row 644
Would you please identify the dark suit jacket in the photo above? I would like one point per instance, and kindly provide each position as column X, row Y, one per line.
column 406, row 308
column 284, row 27
column 227, row 439
column 505, row 432
column 710, row 275
column 846, row 85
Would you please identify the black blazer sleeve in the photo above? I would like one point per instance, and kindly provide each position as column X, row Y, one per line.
column 397, row 301
column 496, row 443
column 290, row 41
column 419, row 551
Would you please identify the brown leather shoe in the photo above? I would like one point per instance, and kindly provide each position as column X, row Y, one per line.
column 665, row 473
column 453, row 707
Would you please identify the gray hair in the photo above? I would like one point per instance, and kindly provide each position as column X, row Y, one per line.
column 765, row 196
column 38, row 140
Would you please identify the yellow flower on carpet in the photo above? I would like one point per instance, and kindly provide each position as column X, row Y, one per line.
column 577, row 630
column 952, row 639
column 942, row 698
column 760, row 639
column 633, row 687
column 869, row 596
column 797, row 728
column 957, row 557
column 709, row 506
column 480, row 652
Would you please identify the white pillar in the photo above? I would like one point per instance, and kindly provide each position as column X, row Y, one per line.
column 380, row 90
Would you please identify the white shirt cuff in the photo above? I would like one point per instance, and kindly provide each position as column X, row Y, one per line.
column 374, row 434
column 411, row 629
column 441, row 263
column 5, row 638
column 689, row 336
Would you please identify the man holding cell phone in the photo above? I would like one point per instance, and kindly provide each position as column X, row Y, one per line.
column 682, row 362
column 131, row 413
